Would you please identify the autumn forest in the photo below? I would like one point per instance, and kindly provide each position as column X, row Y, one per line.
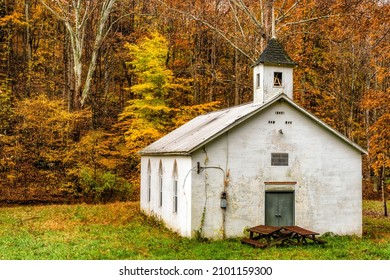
column 85, row 84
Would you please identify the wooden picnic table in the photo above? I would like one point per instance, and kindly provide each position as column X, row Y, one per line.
column 263, row 236
column 302, row 234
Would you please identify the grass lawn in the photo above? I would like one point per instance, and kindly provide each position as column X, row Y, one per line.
column 119, row 232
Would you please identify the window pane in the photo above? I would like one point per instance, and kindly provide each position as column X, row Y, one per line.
column 160, row 171
column 161, row 190
column 175, row 196
column 149, row 186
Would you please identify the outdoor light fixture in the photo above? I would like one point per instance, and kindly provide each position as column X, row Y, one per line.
column 223, row 200
column 280, row 131
column 198, row 167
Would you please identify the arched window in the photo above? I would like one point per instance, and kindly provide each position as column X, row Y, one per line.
column 160, row 183
column 175, row 191
column 149, row 181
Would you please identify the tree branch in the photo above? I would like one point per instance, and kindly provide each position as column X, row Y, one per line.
column 313, row 19
column 55, row 13
column 236, row 18
column 212, row 27
column 286, row 14
column 250, row 14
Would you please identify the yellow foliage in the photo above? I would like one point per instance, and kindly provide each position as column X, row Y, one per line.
column 14, row 18
column 45, row 130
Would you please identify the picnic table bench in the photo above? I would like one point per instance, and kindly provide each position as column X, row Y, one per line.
column 263, row 236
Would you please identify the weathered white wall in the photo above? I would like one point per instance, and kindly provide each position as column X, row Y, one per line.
column 207, row 217
column 179, row 221
column 267, row 90
column 326, row 172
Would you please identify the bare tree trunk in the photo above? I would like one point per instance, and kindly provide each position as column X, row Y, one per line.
column 100, row 34
column 213, row 69
column 75, row 15
column 28, row 46
column 268, row 19
column 75, row 23
column 383, row 187
column 68, row 74
column 236, row 79
column 197, row 65
column 368, row 158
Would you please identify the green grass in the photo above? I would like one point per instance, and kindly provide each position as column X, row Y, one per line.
column 119, row 231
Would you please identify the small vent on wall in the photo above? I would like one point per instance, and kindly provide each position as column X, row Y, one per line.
column 271, row 122
column 279, row 112
column 279, row 159
column 288, row 122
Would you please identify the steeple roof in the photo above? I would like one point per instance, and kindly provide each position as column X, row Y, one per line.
column 275, row 54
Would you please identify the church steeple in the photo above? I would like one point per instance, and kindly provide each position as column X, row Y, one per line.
column 273, row 73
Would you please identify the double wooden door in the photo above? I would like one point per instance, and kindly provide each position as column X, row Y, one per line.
column 279, row 208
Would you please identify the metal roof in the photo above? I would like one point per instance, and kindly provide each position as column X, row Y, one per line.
column 203, row 129
column 199, row 130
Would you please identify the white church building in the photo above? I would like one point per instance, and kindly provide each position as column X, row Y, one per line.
column 268, row 162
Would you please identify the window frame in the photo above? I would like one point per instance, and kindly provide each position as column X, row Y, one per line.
column 278, row 79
